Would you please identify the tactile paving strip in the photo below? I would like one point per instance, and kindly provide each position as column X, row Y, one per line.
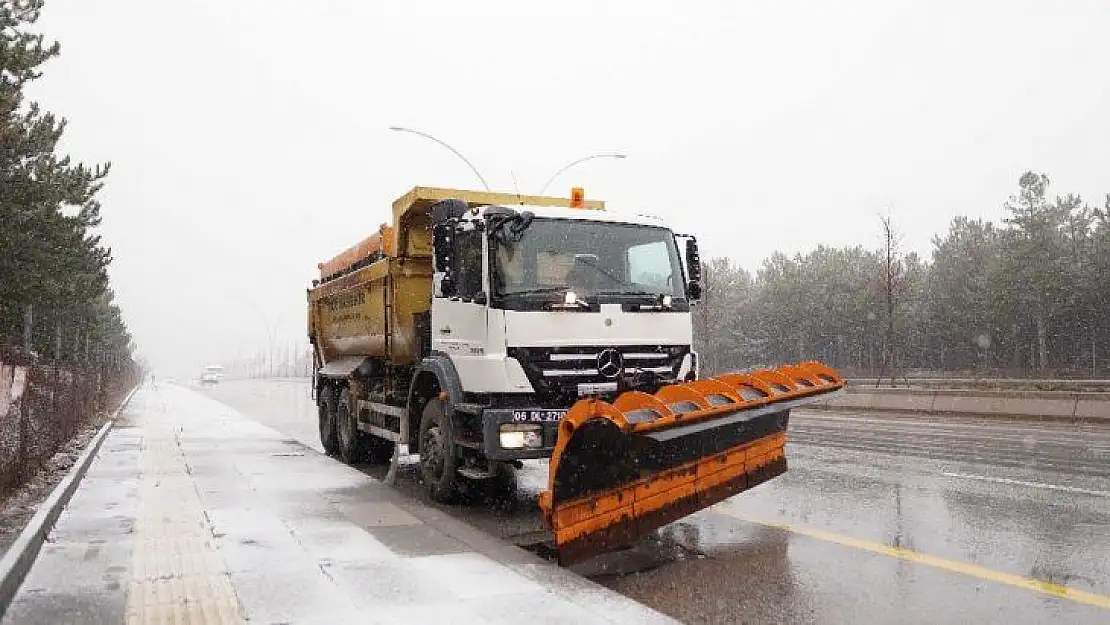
column 179, row 576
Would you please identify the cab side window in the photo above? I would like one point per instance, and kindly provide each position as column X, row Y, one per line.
column 468, row 263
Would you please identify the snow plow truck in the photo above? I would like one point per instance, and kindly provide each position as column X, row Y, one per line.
column 480, row 329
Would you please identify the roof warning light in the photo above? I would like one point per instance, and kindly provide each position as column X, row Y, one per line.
column 577, row 197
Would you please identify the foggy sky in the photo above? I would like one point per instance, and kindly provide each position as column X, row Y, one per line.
column 249, row 139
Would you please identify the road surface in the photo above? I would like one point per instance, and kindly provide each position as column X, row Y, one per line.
column 192, row 512
column 879, row 519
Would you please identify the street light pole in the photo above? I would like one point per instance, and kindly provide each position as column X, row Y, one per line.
column 573, row 163
column 444, row 144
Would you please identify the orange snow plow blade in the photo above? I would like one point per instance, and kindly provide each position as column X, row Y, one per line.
column 621, row 470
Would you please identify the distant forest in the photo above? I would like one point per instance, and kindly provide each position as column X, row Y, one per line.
column 1027, row 297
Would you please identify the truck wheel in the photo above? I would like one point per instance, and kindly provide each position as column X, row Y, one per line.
column 351, row 447
column 437, row 453
column 326, row 410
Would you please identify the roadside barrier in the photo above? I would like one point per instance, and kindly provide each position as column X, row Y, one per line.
column 1046, row 405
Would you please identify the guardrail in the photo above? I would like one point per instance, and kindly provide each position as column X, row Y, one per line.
column 1045, row 384
column 1052, row 405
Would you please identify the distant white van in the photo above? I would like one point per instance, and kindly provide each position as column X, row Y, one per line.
column 211, row 375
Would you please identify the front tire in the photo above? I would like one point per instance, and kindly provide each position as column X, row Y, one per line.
column 326, row 414
column 437, row 453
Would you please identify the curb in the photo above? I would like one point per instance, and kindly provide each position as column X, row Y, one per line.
column 19, row 558
column 554, row 578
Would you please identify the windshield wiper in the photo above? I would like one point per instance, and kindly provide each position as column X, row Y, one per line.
column 543, row 290
column 591, row 261
column 578, row 302
column 636, row 293
column 625, row 292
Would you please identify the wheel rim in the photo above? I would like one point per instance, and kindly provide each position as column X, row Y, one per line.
column 431, row 453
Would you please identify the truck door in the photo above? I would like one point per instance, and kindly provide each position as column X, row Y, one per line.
column 459, row 320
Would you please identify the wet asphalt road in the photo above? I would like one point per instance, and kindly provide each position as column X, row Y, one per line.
column 879, row 519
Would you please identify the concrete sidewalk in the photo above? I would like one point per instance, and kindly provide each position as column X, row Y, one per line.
column 192, row 513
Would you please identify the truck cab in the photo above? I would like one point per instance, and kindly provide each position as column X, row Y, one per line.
column 538, row 306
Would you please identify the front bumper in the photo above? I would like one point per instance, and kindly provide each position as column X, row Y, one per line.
column 547, row 418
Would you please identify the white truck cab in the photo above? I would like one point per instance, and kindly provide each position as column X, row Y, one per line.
column 537, row 306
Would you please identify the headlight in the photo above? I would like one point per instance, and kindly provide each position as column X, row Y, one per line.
column 521, row 436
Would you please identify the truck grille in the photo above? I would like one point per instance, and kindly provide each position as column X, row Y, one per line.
column 556, row 372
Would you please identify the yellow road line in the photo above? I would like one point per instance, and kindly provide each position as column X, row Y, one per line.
column 1019, row 581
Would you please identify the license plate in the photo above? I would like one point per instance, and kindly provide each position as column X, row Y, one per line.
column 538, row 416
column 596, row 388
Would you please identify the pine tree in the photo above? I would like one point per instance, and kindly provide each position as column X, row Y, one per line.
column 49, row 257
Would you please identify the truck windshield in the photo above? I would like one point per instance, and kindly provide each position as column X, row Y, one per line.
column 590, row 258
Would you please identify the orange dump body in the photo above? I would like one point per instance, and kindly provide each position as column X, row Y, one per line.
column 369, row 249
column 621, row 470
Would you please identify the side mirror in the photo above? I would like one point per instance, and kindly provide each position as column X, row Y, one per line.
column 693, row 269
column 447, row 286
column 447, row 210
column 443, row 241
column 693, row 291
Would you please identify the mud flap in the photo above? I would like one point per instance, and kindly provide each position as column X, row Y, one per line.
column 619, row 471
column 399, row 451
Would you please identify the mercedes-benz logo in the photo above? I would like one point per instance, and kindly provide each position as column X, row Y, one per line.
column 610, row 363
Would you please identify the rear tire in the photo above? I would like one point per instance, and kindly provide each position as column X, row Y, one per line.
column 355, row 446
column 326, row 416
column 437, row 453
column 351, row 447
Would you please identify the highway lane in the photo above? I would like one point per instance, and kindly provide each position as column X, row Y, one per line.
column 880, row 518
column 1073, row 450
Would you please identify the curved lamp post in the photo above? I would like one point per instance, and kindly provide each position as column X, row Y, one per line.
column 444, row 144
column 573, row 163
